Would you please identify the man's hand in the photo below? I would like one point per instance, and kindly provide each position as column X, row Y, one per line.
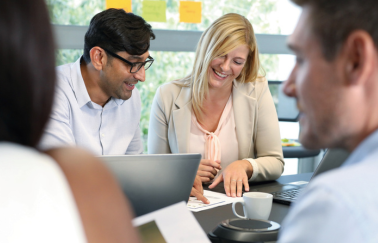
column 197, row 190
column 235, row 176
column 207, row 169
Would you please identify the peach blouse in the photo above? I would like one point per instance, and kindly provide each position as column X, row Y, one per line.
column 221, row 144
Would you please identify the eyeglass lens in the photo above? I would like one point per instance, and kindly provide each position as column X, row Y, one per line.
column 135, row 68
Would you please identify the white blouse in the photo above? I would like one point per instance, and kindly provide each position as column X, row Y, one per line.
column 36, row 203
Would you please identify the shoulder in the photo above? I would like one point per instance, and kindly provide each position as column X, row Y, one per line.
column 24, row 157
column 348, row 179
column 171, row 88
column 94, row 189
column 261, row 82
column 345, row 198
column 64, row 73
column 252, row 89
column 36, row 177
column 261, row 86
column 78, row 163
column 169, row 92
column 64, row 82
column 81, row 168
column 351, row 187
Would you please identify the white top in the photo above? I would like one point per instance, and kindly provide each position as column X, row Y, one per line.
column 340, row 205
column 36, row 203
column 76, row 120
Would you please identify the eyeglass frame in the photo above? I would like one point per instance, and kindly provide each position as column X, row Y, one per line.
column 132, row 64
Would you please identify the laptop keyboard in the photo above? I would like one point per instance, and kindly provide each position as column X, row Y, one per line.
column 286, row 197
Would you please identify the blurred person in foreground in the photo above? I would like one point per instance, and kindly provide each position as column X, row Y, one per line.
column 65, row 194
column 222, row 110
column 335, row 83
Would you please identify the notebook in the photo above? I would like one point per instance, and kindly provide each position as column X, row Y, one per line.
column 287, row 193
column 155, row 181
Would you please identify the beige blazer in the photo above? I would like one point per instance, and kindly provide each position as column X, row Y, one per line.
column 256, row 122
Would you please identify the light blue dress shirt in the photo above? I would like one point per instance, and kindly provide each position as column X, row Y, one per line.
column 76, row 120
column 340, row 205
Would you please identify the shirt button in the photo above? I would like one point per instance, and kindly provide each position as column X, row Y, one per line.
column 102, row 135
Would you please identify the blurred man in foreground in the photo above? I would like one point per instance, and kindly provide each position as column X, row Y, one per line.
column 335, row 83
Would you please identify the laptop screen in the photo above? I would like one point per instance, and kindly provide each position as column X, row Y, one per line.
column 332, row 159
column 154, row 181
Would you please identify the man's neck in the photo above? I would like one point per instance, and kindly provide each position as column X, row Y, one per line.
column 91, row 77
column 364, row 113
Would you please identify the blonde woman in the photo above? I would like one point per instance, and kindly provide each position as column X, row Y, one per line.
column 222, row 110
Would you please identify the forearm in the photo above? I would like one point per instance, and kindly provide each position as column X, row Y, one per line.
column 269, row 168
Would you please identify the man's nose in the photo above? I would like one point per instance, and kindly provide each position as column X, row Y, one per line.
column 288, row 86
column 141, row 74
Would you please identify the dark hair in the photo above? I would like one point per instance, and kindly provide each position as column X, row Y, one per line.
column 334, row 20
column 27, row 70
column 116, row 30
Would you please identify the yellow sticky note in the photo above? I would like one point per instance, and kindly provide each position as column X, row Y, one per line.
column 124, row 4
column 190, row 12
column 154, row 11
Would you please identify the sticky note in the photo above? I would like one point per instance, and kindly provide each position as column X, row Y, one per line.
column 190, row 12
column 154, row 11
column 124, row 4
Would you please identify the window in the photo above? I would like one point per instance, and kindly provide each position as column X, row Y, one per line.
column 267, row 16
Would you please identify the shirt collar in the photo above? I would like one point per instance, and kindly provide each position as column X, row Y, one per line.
column 365, row 148
column 79, row 88
column 118, row 101
column 113, row 102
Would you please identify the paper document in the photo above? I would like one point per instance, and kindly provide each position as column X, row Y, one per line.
column 170, row 225
column 216, row 199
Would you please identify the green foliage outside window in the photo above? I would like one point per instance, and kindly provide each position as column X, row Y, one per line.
column 169, row 66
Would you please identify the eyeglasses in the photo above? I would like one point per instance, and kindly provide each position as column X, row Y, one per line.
column 134, row 66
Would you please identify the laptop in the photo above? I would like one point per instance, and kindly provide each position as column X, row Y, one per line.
column 287, row 193
column 287, row 110
column 154, row 181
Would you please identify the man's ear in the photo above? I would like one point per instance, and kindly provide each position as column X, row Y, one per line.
column 98, row 57
column 358, row 53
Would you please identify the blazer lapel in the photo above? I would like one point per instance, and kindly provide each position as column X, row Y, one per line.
column 182, row 120
column 245, row 110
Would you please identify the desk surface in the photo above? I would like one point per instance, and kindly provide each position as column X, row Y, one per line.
column 209, row 219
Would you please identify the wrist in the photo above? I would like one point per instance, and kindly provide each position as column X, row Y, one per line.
column 247, row 167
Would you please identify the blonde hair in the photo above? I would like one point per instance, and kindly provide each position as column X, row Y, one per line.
column 224, row 35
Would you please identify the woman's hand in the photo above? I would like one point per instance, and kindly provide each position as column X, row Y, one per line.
column 197, row 190
column 207, row 169
column 235, row 176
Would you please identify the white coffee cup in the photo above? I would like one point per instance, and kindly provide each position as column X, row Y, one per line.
column 256, row 205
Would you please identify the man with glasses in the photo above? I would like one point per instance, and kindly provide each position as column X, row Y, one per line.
column 97, row 106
